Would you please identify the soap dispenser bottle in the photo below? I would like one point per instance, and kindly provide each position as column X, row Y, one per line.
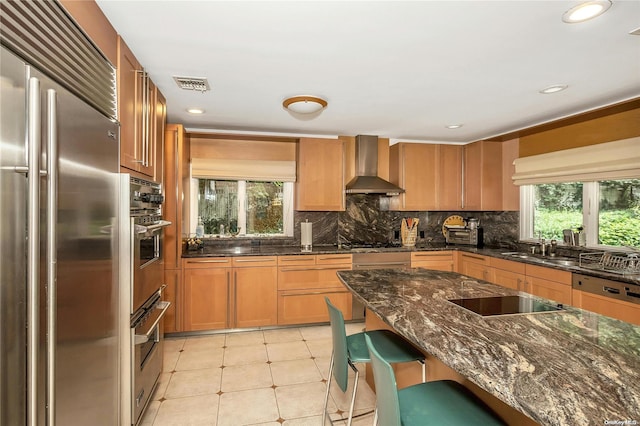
column 200, row 228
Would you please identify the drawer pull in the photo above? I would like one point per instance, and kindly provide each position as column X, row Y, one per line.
column 317, row 268
column 311, row 293
column 431, row 255
column 335, row 258
column 474, row 257
column 254, row 260
column 195, row 262
column 611, row 290
column 300, row 259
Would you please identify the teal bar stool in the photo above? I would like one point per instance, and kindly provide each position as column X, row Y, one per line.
column 348, row 350
column 442, row 402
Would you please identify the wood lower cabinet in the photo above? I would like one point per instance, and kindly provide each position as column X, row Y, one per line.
column 436, row 260
column 254, row 291
column 476, row 266
column 207, row 285
column 303, row 283
column 172, row 294
column 549, row 283
column 618, row 309
column 509, row 274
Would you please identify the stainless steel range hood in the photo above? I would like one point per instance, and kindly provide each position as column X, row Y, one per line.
column 367, row 180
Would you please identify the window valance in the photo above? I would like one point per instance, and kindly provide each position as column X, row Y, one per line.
column 256, row 170
column 605, row 161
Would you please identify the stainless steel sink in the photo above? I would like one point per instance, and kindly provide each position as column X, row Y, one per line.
column 562, row 262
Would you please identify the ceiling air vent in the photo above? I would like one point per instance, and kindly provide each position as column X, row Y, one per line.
column 192, row 83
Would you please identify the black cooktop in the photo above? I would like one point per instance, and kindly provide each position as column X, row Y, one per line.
column 505, row 305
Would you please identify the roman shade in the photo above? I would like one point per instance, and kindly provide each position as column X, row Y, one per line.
column 605, row 161
column 253, row 170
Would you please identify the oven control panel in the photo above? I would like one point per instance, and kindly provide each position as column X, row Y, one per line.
column 145, row 198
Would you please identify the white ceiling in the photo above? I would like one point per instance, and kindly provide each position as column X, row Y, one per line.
column 401, row 70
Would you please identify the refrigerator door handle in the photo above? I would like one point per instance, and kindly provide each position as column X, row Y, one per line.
column 33, row 246
column 52, row 219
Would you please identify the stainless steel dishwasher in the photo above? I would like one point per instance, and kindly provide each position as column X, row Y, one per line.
column 376, row 260
column 604, row 287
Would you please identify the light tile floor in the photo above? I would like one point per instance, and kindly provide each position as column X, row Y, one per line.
column 271, row 377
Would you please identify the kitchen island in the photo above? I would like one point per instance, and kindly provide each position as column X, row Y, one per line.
column 569, row 367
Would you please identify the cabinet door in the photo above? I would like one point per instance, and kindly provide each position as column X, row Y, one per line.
column 476, row 266
column 159, row 124
column 309, row 306
column 130, row 96
column 320, row 184
column 509, row 279
column 415, row 170
column 552, row 290
column 255, row 296
column 482, row 185
column 173, row 280
column 449, row 186
column 619, row 309
column 206, row 298
column 438, row 261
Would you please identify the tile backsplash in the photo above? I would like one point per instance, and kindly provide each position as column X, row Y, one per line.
column 363, row 221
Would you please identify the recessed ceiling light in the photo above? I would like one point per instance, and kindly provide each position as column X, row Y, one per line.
column 453, row 126
column 553, row 89
column 586, row 11
column 195, row 111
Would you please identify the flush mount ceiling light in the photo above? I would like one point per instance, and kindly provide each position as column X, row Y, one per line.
column 453, row 126
column 586, row 11
column 195, row 110
column 304, row 104
column 553, row 89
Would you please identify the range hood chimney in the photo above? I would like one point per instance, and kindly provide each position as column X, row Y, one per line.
column 367, row 180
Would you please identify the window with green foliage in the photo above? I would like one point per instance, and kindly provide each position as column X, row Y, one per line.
column 608, row 211
column 244, row 207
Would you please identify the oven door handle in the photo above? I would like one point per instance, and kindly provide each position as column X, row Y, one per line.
column 139, row 339
column 149, row 230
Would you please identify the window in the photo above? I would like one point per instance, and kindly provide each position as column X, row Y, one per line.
column 248, row 207
column 608, row 210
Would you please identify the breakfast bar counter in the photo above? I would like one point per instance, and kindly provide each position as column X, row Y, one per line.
column 569, row 367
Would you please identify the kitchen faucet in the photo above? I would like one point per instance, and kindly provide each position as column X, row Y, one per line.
column 543, row 246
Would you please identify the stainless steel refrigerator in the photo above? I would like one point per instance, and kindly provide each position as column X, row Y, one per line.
column 59, row 164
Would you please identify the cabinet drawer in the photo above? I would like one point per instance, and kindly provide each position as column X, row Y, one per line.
column 507, row 265
column 252, row 261
column 304, row 307
column 297, row 260
column 474, row 258
column 434, row 265
column 309, row 277
column 440, row 256
column 208, row 262
column 332, row 259
column 563, row 277
column 552, row 290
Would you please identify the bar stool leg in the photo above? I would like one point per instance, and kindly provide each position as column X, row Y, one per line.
column 326, row 397
column 353, row 397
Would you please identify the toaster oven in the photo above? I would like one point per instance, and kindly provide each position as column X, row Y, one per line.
column 465, row 236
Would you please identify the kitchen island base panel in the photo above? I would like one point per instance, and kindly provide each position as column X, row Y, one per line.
column 408, row 374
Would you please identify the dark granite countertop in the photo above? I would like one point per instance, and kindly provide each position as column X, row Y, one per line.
column 285, row 250
column 563, row 368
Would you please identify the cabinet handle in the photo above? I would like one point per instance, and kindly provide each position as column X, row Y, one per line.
column 301, row 259
column 335, row 258
column 518, row 285
column 195, row 262
column 474, row 257
column 235, row 298
column 310, row 293
column 430, row 255
column 228, row 298
column 254, row 260
column 317, row 268
column 462, row 180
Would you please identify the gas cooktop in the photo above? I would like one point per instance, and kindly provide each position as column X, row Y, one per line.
column 349, row 246
column 505, row 305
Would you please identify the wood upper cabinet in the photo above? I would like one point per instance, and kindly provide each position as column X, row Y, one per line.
column 436, row 260
column 413, row 167
column 254, row 291
column 93, row 22
column 140, row 108
column 482, row 183
column 320, row 182
column 510, row 192
column 449, row 187
column 159, row 123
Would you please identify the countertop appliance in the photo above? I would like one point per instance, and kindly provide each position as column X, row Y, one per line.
column 505, row 305
column 465, row 236
column 376, row 260
column 604, row 287
column 59, row 223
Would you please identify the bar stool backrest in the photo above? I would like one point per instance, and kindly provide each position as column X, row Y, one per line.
column 340, row 352
column 386, row 388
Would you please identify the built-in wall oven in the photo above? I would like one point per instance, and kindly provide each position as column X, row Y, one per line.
column 147, row 277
